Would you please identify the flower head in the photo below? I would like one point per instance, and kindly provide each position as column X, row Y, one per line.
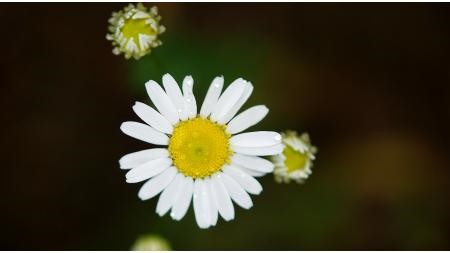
column 295, row 162
column 208, row 159
column 151, row 242
column 134, row 30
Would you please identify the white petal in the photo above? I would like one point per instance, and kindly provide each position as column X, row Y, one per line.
column 246, row 181
column 155, row 185
column 235, row 191
column 201, row 205
column 212, row 202
column 228, row 99
column 131, row 45
column 182, row 199
column 212, row 96
column 140, row 14
column 167, row 197
column 148, row 170
column 162, row 101
column 235, row 108
column 205, row 201
column 144, row 41
column 152, row 117
column 140, row 157
column 256, row 139
column 253, row 173
column 253, row 163
column 247, row 118
column 263, row 151
column 223, row 200
column 174, row 93
column 144, row 133
column 190, row 104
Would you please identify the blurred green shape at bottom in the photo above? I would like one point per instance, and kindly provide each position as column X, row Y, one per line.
column 151, row 242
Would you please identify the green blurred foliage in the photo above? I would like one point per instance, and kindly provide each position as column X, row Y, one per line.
column 204, row 58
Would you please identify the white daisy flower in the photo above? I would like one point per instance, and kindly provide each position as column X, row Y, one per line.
column 134, row 30
column 295, row 162
column 208, row 159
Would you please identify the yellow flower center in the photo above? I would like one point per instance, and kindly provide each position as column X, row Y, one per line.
column 295, row 160
column 133, row 27
column 199, row 147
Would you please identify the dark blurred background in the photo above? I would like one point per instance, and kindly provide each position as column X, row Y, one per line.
column 369, row 82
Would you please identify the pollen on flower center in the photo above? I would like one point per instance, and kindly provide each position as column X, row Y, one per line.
column 199, row 147
column 135, row 27
column 294, row 159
